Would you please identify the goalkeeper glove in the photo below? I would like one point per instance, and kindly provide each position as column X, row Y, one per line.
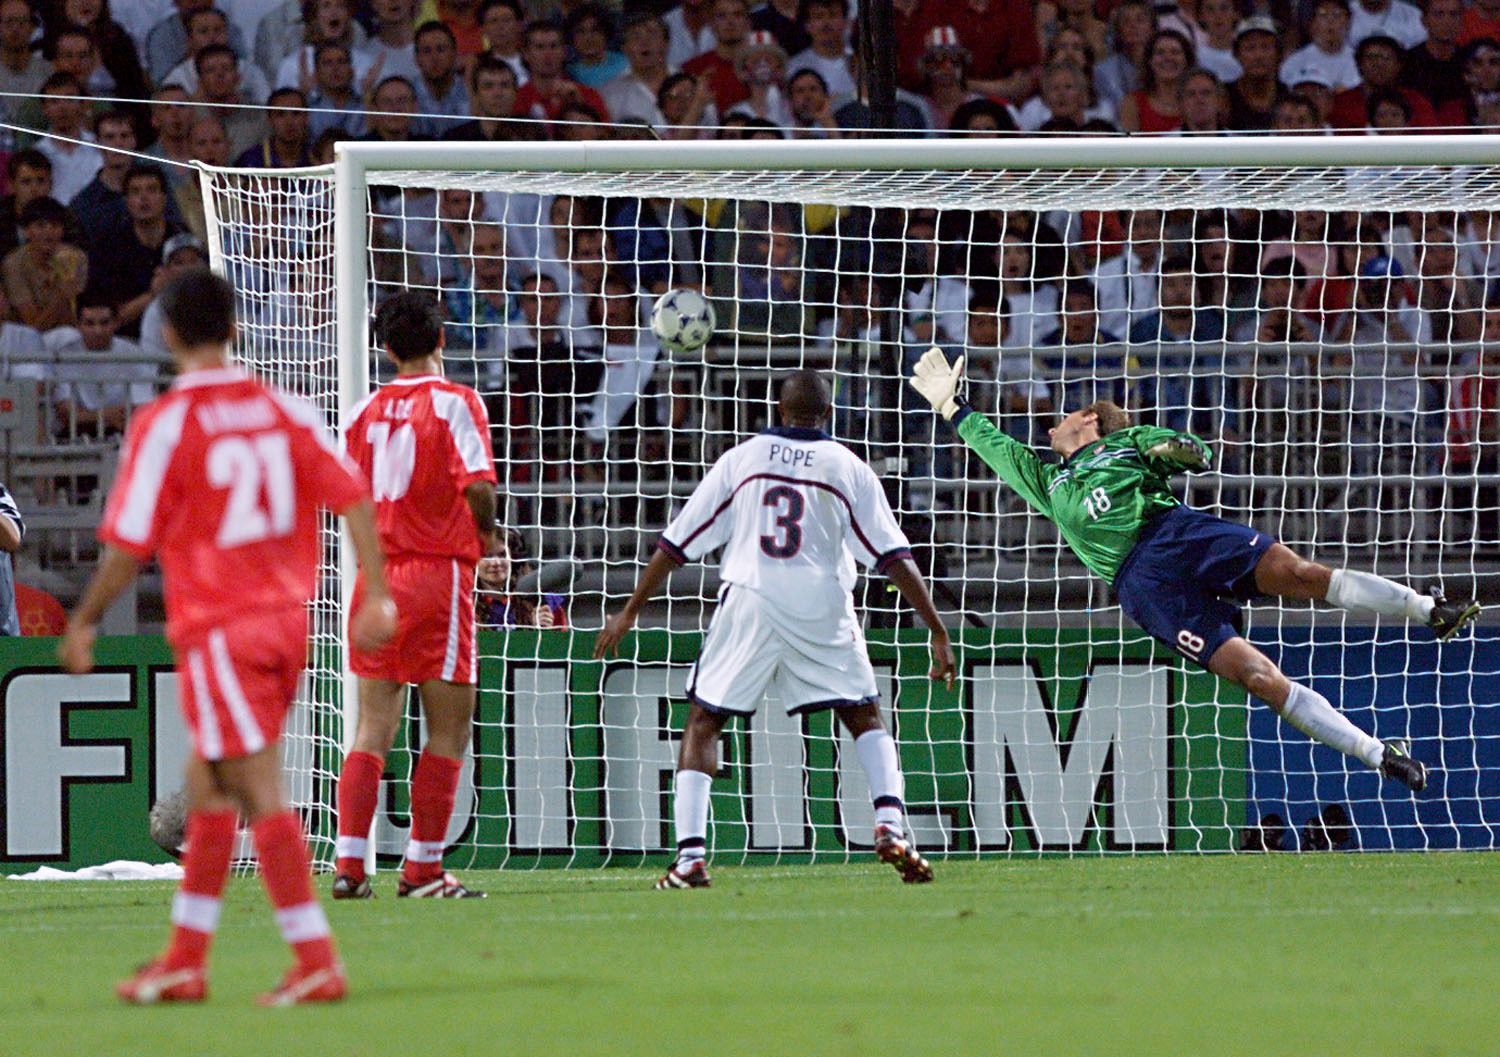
column 937, row 380
column 1181, row 452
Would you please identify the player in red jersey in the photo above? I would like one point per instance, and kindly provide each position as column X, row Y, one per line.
column 425, row 444
column 221, row 475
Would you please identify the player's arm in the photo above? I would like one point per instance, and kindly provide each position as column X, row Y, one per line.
column 904, row 574
column 117, row 569
column 1169, row 451
column 375, row 622
column 652, row 577
column 480, row 495
column 1018, row 466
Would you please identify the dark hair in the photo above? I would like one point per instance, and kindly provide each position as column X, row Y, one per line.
column 670, row 83
column 60, row 80
column 43, row 210
column 287, row 90
column 804, row 9
column 1387, row 95
column 1112, row 417
column 70, row 31
column 541, row 25
column 805, row 394
column 113, row 117
column 580, row 113
column 1177, row 262
column 588, row 10
column 432, row 25
column 394, row 78
column 1287, row 267
column 974, row 107
column 213, row 51
column 148, row 170
column 1189, row 53
column 199, row 306
column 808, row 71
column 94, row 298
column 325, row 47
column 409, row 324
column 29, row 159
column 489, row 64
column 760, row 124
column 645, row 18
column 1379, row 40
column 193, row 16
column 488, row 5
column 1077, row 286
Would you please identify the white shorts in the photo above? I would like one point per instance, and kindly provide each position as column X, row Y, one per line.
column 750, row 649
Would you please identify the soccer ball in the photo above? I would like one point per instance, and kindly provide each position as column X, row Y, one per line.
column 683, row 320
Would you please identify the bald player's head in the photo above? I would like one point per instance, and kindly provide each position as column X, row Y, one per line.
column 804, row 399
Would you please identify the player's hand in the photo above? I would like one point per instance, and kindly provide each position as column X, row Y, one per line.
column 1181, row 451
column 614, row 630
column 76, row 650
column 942, row 670
column 374, row 623
column 938, row 380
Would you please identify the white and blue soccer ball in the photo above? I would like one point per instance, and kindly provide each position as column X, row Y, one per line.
column 683, row 320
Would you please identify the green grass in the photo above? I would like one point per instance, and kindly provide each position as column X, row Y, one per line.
column 1308, row 955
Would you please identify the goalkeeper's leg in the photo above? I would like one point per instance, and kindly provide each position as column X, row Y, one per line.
column 1282, row 573
column 1310, row 712
column 697, row 760
column 876, row 750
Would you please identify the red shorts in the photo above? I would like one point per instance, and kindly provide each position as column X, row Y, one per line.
column 236, row 681
column 435, row 623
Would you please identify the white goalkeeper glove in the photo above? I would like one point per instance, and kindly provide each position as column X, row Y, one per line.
column 938, row 380
column 1181, row 451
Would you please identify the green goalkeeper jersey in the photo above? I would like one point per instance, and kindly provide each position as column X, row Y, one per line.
column 1099, row 497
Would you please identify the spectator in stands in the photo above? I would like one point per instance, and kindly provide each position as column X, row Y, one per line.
column 945, row 77
column 502, row 21
column 1016, row 394
column 334, row 100
column 550, row 89
column 1481, row 19
column 632, row 93
column 1029, row 289
column 589, row 30
column 1064, row 96
column 1004, row 59
column 1317, row 89
column 1328, row 50
column 218, row 70
column 782, row 19
column 1450, row 302
column 630, row 355
column 1200, row 102
column 687, row 108
column 1104, row 376
column 125, row 260
column 827, row 23
column 1433, row 67
column 1298, row 115
column 72, row 51
column 30, row 175
column 44, row 275
column 1253, row 98
column 1481, row 60
column 167, row 43
column 22, row 352
column 286, row 30
column 1079, row 318
column 1388, row 111
column 179, row 253
column 690, row 26
column 1156, row 105
column 500, row 605
column 393, row 105
column 1282, row 290
column 209, row 27
column 731, row 21
column 22, row 69
column 285, row 145
column 391, row 49
column 579, row 121
column 812, row 107
column 1119, row 73
column 761, row 67
column 440, row 90
column 172, row 123
column 1396, row 19
column 1217, row 20
column 1055, row 16
column 101, row 204
column 68, row 143
column 480, row 304
column 854, row 113
column 1474, row 436
column 332, row 22
column 96, row 399
column 12, row 533
column 1379, row 61
column 210, row 143
column 492, row 100
column 461, row 17
column 1126, row 283
column 1181, row 398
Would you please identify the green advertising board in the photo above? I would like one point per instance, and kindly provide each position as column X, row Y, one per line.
column 1051, row 740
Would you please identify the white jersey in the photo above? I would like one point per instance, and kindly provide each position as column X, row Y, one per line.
column 794, row 510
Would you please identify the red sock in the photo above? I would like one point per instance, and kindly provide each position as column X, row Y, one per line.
column 205, row 868
column 359, row 789
column 434, row 784
column 287, row 875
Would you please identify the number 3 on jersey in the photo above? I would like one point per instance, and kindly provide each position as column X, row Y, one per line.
column 785, row 538
column 1096, row 503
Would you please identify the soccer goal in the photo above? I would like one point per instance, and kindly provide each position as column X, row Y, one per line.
column 1315, row 308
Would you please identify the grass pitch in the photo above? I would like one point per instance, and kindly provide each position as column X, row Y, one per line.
column 1309, row 955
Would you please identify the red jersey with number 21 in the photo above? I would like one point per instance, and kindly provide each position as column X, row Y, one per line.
column 422, row 440
column 222, row 478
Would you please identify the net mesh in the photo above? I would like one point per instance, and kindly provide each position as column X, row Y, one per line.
column 1324, row 329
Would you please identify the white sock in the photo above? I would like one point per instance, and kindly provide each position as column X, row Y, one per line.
column 1356, row 591
column 876, row 750
column 690, row 809
column 1310, row 712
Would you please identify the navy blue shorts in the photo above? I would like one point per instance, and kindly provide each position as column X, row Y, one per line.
column 1186, row 578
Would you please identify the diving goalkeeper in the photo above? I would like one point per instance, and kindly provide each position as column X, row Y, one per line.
column 1182, row 574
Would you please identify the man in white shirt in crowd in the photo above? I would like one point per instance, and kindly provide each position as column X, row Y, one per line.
column 633, row 93
column 74, row 163
column 1329, row 50
column 207, row 28
column 394, row 42
column 1396, row 19
column 95, row 398
column 690, row 26
column 1127, row 284
column 828, row 25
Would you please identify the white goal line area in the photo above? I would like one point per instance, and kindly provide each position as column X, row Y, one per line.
column 1316, row 308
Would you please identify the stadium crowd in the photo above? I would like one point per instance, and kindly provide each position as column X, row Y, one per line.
column 548, row 295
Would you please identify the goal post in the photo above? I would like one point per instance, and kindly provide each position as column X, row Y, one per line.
column 1070, row 730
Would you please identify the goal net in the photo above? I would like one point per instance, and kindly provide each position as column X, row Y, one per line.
column 1314, row 309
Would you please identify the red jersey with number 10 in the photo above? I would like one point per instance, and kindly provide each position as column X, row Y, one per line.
column 221, row 479
column 422, row 440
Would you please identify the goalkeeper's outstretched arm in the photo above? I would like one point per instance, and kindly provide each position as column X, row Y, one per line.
column 1018, row 466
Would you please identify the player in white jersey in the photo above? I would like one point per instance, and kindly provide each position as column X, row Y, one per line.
column 793, row 510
